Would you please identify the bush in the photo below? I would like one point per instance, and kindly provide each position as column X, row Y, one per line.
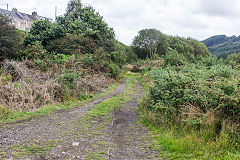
column 210, row 61
column 73, row 44
column 114, row 70
column 44, row 31
column 119, row 58
column 88, row 59
column 9, row 40
column 203, row 89
column 68, row 77
column 35, row 51
column 175, row 58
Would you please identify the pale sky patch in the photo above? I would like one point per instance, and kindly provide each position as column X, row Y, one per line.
column 199, row 19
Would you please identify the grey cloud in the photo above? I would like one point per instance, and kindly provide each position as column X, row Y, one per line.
column 225, row 8
column 196, row 18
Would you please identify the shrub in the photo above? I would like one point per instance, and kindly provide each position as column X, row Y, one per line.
column 119, row 58
column 68, row 77
column 44, row 31
column 73, row 44
column 9, row 40
column 175, row 58
column 114, row 70
column 203, row 89
column 233, row 59
column 35, row 51
column 210, row 61
column 88, row 59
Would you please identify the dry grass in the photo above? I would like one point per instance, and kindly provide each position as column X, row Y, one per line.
column 191, row 112
column 27, row 89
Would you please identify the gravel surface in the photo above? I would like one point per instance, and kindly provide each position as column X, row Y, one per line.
column 128, row 134
column 70, row 134
column 55, row 126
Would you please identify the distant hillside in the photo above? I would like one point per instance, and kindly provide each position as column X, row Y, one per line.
column 221, row 45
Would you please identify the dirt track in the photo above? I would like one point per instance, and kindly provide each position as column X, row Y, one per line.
column 67, row 135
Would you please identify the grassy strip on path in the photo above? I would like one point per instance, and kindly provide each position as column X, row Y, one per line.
column 174, row 142
column 93, row 128
column 110, row 104
column 11, row 116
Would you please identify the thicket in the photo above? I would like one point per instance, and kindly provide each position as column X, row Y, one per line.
column 193, row 94
column 76, row 56
column 150, row 42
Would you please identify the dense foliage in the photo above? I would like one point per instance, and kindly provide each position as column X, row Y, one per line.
column 200, row 86
column 81, row 32
column 221, row 45
column 151, row 41
column 69, row 59
column 195, row 98
column 84, row 20
column 44, row 31
column 9, row 39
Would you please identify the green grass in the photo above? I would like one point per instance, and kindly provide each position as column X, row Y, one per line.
column 178, row 143
column 11, row 116
column 110, row 104
column 33, row 149
column 175, row 142
column 95, row 155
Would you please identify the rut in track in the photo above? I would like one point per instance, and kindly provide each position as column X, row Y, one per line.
column 68, row 134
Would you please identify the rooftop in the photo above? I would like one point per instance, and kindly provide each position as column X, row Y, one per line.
column 14, row 14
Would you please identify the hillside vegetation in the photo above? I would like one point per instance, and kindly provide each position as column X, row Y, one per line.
column 221, row 45
column 56, row 62
column 192, row 100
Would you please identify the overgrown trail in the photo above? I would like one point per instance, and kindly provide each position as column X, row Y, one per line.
column 72, row 134
column 128, row 135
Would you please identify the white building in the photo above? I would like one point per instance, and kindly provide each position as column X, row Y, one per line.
column 21, row 20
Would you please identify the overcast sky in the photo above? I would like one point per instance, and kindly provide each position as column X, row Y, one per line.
column 199, row 19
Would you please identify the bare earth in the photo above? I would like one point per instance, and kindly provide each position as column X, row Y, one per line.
column 70, row 134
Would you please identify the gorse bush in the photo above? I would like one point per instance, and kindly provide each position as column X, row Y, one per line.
column 35, row 51
column 174, row 58
column 114, row 70
column 68, row 77
column 88, row 59
column 195, row 105
column 206, row 89
column 73, row 44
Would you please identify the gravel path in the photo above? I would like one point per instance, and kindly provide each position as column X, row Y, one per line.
column 70, row 134
column 129, row 135
column 55, row 126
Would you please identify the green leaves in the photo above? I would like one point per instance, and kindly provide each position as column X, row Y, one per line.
column 214, row 88
column 85, row 20
column 148, row 42
column 9, row 39
column 151, row 41
column 44, row 31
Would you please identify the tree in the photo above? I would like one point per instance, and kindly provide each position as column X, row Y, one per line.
column 85, row 21
column 199, row 48
column 9, row 39
column 149, row 42
column 44, row 31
